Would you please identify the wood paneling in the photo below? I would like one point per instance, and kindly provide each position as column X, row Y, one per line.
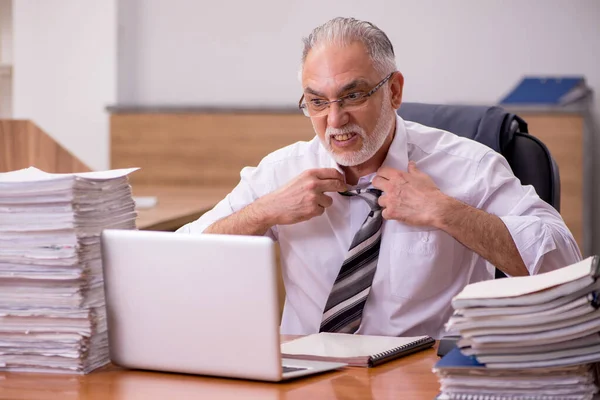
column 24, row 144
column 199, row 149
column 563, row 135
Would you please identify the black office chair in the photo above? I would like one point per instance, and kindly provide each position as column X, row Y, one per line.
column 502, row 131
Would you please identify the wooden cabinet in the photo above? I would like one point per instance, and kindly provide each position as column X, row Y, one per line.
column 203, row 148
column 563, row 134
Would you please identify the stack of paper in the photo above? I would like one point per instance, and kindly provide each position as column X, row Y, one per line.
column 52, row 316
column 527, row 336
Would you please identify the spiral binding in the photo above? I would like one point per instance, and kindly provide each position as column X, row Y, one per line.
column 474, row 396
column 397, row 350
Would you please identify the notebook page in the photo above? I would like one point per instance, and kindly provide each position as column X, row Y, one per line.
column 341, row 345
column 33, row 174
column 519, row 286
column 106, row 175
column 30, row 174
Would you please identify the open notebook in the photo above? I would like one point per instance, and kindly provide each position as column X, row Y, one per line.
column 355, row 350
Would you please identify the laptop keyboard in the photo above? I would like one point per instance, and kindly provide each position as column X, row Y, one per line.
column 292, row 369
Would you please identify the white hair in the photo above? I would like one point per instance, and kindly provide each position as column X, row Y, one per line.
column 344, row 31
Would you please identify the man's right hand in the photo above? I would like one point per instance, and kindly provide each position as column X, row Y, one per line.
column 302, row 198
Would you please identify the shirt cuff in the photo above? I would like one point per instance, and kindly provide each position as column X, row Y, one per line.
column 532, row 238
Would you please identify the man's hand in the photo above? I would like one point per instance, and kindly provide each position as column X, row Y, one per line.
column 410, row 197
column 302, row 198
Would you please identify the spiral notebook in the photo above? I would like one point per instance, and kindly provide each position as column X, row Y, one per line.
column 355, row 350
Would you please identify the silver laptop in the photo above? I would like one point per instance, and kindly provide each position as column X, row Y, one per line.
column 204, row 304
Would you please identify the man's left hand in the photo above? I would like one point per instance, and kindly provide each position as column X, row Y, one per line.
column 410, row 197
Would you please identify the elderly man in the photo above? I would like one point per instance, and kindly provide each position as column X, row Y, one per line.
column 382, row 221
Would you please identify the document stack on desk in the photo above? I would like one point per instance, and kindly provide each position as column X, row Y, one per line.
column 52, row 316
column 534, row 337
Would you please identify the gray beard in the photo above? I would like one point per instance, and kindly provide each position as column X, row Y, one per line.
column 371, row 143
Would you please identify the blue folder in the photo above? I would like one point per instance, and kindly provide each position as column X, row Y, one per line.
column 547, row 91
column 456, row 359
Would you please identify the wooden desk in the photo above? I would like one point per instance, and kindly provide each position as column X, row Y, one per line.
column 406, row 378
column 176, row 205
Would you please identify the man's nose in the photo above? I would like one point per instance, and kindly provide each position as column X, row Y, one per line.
column 337, row 116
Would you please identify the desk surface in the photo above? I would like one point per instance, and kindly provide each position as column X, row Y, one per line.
column 176, row 205
column 406, row 378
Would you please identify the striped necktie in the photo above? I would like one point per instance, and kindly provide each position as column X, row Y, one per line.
column 343, row 311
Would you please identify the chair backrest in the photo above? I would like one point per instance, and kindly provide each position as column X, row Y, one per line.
column 500, row 130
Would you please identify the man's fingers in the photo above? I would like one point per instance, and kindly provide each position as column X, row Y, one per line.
column 382, row 200
column 380, row 183
column 331, row 185
column 412, row 167
column 392, row 174
column 324, row 201
column 327, row 173
column 328, row 180
column 386, row 172
column 386, row 214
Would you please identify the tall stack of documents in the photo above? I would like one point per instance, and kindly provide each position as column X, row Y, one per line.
column 52, row 316
column 534, row 337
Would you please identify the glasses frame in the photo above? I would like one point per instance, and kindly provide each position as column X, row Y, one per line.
column 304, row 107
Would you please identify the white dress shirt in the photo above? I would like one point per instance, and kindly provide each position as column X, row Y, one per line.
column 419, row 269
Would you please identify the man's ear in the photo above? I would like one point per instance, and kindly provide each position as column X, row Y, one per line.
column 397, row 85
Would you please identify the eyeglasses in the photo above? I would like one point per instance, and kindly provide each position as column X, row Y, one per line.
column 350, row 102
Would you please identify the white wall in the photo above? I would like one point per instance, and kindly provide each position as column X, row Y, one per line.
column 5, row 58
column 65, row 71
column 5, row 94
column 186, row 52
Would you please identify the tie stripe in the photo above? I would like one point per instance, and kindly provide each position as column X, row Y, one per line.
column 368, row 243
column 355, row 260
column 355, row 283
column 343, row 311
column 368, row 229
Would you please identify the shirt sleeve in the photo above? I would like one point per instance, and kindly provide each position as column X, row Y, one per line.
column 539, row 232
column 255, row 182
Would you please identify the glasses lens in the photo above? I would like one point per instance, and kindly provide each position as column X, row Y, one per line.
column 314, row 107
column 354, row 101
column 320, row 113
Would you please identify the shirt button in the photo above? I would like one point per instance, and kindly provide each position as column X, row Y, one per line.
column 425, row 238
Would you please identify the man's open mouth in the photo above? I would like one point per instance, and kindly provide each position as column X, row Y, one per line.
column 343, row 137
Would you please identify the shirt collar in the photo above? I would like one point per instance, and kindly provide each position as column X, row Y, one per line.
column 397, row 156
